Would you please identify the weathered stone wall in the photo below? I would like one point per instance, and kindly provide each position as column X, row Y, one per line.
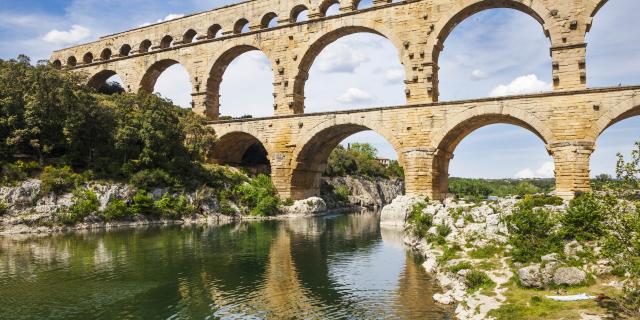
column 205, row 44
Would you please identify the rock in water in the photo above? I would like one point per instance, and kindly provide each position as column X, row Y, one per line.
column 309, row 206
column 395, row 213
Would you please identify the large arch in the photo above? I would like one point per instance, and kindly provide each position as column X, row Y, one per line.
column 99, row 79
column 321, row 42
column 218, row 69
column 313, row 149
column 446, row 140
column 150, row 77
column 468, row 8
column 238, row 148
column 622, row 111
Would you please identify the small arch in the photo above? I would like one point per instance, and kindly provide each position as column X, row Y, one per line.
column 362, row 4
column 299, row 13
column 597, row 8
column 189, row 36
column 325, row 6
column 241, row 149
column 88, row 58
column 214, row 31
column 125, row 50
column 152, row 74
column 269, row 20
column 57, row 64
column 72, row 61
column 145, row 46
column 166, row 42
column 241, row 26
column 106, row 54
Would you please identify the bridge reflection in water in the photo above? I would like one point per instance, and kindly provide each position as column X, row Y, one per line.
column 329, row 267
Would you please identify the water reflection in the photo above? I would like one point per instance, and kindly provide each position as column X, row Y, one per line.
column 329, row 267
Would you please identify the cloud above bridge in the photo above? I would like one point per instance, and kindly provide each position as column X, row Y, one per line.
column 355, row 95
column 521, row 85
column 74, row 35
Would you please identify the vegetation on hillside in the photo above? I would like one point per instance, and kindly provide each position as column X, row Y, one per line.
column 360, row 159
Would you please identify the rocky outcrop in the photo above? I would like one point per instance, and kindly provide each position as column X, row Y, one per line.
column 395, row 213
column 310, row 206
column 363, row 192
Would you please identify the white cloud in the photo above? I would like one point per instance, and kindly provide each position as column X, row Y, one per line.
column 75, row 34
column 170, row 17
column 545, row 171
column 478, row 74
column 521, row 85
column 340, row 58
column 393, row 75
column 355, row 95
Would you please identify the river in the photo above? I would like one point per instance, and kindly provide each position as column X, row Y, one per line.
column 331, row 267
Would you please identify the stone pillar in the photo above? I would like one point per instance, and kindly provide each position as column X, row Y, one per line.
column 569, row 67
column 426, row 172
column 421, row 84
column 205, row 103
column 571, row 160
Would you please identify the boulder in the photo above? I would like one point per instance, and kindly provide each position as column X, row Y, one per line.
column 309, row 206
column 395, row 213
column 570, row 276
column 442, row 298
column 530, row 276
column 572, row 248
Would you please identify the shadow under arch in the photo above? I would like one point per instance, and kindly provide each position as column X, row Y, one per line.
column 148, row 82
column 100, row 79
column 217, row 70
column 445, row 143
column 310, row 158
column 448, row 23
column 242, row 149
column 319, row 44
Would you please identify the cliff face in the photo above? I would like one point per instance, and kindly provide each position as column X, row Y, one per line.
column 364, row 192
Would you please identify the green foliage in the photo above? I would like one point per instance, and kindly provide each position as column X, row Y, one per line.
column 85, row 203
column 360, row 160
column 629, row 172
column 419, row 223
column 259, row 195
column 463, row 265
column 117, row 209
column 535, row 201
column 174, row 207
column 143, row 204
column 342, row 194
column 487, row 252
column 476, row 280
column 531, row 231
column 449, row 253
column 3, row 208
column 584, row 218
column 480, row 189
column 59, row 180
column 153, row 178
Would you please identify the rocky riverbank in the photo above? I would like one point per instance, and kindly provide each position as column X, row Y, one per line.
column 27, row 210
column 466, row 247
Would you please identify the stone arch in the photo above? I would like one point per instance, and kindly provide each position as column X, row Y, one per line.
column 446, row 140
column 166, row 42
column 72, row 61
column 317, row 45
column 189, row 36
column 213, row 30
column 217, row 70
column 267, row 18
column 232, row 147
column 87, row 58
column 454, row 16
column 296, row 11
column 356, row 5
column 240, row 25
column 105, row 54
column 125, row 49
column 57, row 64
column 99, row 79
column 597, row 5
column 145, row 45
column 150, row 77
column 324, row 6
column 313, row 149
column 625, row 110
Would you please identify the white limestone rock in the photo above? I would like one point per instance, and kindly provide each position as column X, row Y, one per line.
column 570, row 276
column 395, row 214
column 309, row 206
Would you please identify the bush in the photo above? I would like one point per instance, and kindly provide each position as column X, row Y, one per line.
column 117, row 209
column 486, row 252
column 419, row 223
column 531, row 232
column 153, row 178
column 143, row 204
column 59, row 180
column 172, row 207
column 85, row 203
column 15, row 172
column 259, row 196
column 584, row 218
column 342, row 194
column 477, row 279
column 3, row 208
column 464, row 265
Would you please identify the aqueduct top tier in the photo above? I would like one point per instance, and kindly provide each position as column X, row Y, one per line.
column 205, row 43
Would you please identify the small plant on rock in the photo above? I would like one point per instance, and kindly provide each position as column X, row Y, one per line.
column 476, row 280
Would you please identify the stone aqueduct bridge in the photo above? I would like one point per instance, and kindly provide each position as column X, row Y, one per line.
column 424, row 132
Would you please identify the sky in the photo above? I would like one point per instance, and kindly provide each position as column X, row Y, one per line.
column 495, row 52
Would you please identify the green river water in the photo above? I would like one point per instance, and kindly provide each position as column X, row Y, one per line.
column 331, row 267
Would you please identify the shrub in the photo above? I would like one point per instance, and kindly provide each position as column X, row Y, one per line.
column 85, row 203
column 174, row 207
column 419, row 222
column 59, row 180
column 18, row 171
column 464, row 265
column 154, row 178
column 3, row 208
column 259, row 196
column 531, row 232
column 449, row 252
column 342, row 194
column 142, row 204
column 535, row 201
column 477, row 280
column 486, row 252
column 116, row 209
column 584, row 218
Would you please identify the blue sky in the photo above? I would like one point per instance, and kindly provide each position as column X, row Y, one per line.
column 491, row 53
